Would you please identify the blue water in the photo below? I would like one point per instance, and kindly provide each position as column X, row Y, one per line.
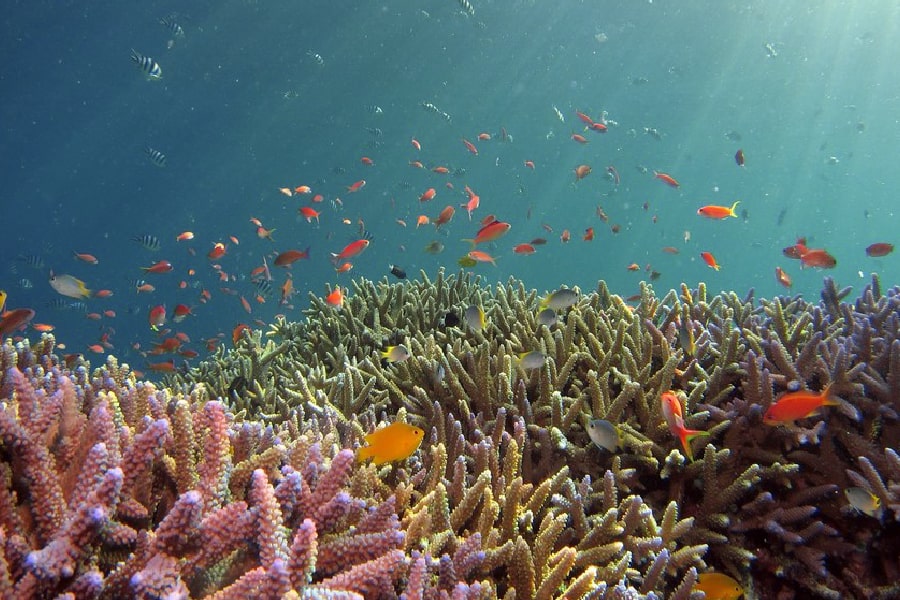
column 244, row 108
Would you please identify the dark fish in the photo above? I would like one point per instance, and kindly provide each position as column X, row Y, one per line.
column 150, row 242
column 739, row 157
column 32, row 260
column 264, row 288
column 156, row 157
column 398, row 272
column 781, row 216
column 237, row 387
column 451, row 320
column 146, row 64
column 467, row 7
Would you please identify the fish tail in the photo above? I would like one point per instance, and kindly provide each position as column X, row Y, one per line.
column 364, row 453
column 827, row 400
column 734, row 206
column 687, row 436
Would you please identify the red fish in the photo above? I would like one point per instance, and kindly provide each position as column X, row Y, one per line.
column 350, row 250
column 796, row 250
column 588, row 234
column 238, row 332
column 289, row 257
column 181, row 312
column 586, row 119
column 529, row 164
column 473, row 203
column 797, row 405
column 818, row 258
column 490, row 232
column 336, row 297
column 441, row 170
column 217, row 252
column 445, row 216
column 470, row 146
column 88, row 258
column 480, row 256
column 13, row 320
column 163, row 367
column 674, row 415
column 783, row 278
column 710, row 260
column 579, row 138
column 428, row 195
column 160, row 266
column 367, row 161
column 879, row 249
column 601, row 127
column 309, row 213
column 718, row 212
column 524, row 249
column 157, row 317
column 355, row 187
column 666, row 178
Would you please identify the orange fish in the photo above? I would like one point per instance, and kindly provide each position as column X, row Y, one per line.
column 473, row 203
column 415, row 144
column 184, row 236
column 163, row 367
column 445, row 216
column 634, row 267
column 217, row 252
column 674, row 415
column 582, row 171
column 287, row 290
column 246, row 305
column 289, row 257
column 343, row 268
column 586, row 119
column 601, row 127
column 817, row 257
column 355, row 187
column 490, row 232
column 303, row 189
column 718, row 212
column 470, row 146
column 710, row 260
column 88, row 258
column 238, row 332
column 318, row 198
column 103, row 293
column 157, row 317
column 579, row 138
column 96, row 348
column 429, row 194
column 397, row 441
column 335, row 298
column 309, row 214
column 478, row 255
column 666, row 178
column 422, row 220
column 524, row 249
column 783, row 278
column 484, row 137
column 797, row 405
column 417, row 164
column 367, row 161
column 13, row 320
column 588, row 234
column 441, row 170
column 350, row 250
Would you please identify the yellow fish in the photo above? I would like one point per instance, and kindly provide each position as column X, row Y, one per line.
column 69, row 286
column 718, row 586
column 397, row 441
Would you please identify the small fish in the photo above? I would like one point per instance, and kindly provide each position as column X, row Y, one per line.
column 797, row 405
column 582, row 171
column 434, row 247
column 147, row 65
column 718, row 586
column 181, row 312
column 547, row 317
column 84, row 257
column 336, row 298
column 31, row 260
column 174, row 28
column 351, row 250
column 217, row 252
column 428, row 195
column 879, row 249
column 157, row 317
column 667, row 179
column 155, row 156
column 490, row 232
column 531, row 360
column 864, row 501
column 674, row 415
column 525, row 249
column 397, row 441
column 237, row 387
column 149, row 242
column 394, row 354
column 739, row 157
column 309, row 214
column 398, row 272
column 470, row 146
column 783, row 278
column 289, row 257
column 444, row 217
column 474, row 318
column 184, row 236
column 160, row 266
column 355, row 187
column 68, row 286
column 710, row 260
column 479, row 256
column 467, row 7
column 718, row 212
column 466, row 262
column 604, row 434
column 560, row 299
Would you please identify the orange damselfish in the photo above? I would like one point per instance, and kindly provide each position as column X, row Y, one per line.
column 397, row 441
column 797, row 405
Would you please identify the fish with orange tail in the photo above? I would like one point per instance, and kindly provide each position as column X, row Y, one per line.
column 351, row 250
column 397, row 441
column 667, row 179
column 674, row 415
column 797, row 405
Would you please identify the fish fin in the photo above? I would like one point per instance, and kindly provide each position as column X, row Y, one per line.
column 365, row 452
column 827, row 398
column 687, row 436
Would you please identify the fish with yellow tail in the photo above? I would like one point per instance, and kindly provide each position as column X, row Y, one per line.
column 69, row 286
column 797, row 405
column 397, row 441
column 674, row 415
column 718, row 586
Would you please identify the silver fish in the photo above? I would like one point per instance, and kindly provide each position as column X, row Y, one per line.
column 69, row 286
column 547, row 317
column 156, row 157
column 560, row 299
column 532, row 360
column 474, row 317
column 604, row 434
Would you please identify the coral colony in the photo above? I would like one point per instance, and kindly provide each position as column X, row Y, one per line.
column 241, row 478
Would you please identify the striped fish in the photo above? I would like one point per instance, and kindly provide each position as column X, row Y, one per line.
column 172, row 25
column 150, row 242
column 146, row 64
column 264, row 288
column 32, row 260
column 156, row 157
column 467, row 7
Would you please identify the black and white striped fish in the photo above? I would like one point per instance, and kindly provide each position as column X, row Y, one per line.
column 150, row 242
column 156, row 157
column 467, row 7
column 172, row 25
column 146, row 64
column 264, row 288
column 32, row 260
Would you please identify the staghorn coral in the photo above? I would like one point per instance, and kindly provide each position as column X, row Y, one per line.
column 508, row 497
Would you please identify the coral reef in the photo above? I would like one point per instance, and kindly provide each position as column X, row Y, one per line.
column 239, row 477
